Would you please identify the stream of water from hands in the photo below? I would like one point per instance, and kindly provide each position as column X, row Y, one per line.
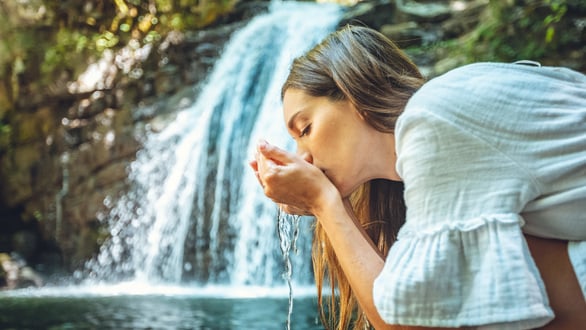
column 288, row 230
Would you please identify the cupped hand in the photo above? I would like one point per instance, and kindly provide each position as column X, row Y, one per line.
column 289, row 180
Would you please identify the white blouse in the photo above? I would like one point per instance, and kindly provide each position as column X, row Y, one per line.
column 487, row 152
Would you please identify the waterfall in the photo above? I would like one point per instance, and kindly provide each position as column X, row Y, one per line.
column 195, row 212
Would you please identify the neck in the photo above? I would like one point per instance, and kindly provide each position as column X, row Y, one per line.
column 384, row 158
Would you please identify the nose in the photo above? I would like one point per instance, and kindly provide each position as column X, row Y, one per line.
column 303, row 153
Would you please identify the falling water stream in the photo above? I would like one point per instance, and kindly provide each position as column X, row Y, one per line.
column 195, row 223
column 288, row 229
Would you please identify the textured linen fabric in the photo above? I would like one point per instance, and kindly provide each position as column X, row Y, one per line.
column 487, row 152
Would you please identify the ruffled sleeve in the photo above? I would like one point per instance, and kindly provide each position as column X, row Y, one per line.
column 460, row 259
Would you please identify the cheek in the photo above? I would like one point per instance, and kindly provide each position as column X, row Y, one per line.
column 348, row 171
column 332, row 153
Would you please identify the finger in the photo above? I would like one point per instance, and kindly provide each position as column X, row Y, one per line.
column 274, row 153
column 266, row 166
column 254, row 165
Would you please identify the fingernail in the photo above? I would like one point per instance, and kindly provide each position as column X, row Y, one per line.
column 262, row 143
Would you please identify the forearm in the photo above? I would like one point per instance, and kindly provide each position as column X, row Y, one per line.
column 563, row 289
column 361, row 262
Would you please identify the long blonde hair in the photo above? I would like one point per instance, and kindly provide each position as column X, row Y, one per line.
column 363, row 66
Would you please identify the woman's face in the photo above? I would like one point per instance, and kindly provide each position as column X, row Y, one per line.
column 332, row 136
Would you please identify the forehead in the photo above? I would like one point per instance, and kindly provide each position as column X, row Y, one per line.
column 295, row 97
column 294, row 101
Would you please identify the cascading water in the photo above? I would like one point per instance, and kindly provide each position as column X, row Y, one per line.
column 195, row 213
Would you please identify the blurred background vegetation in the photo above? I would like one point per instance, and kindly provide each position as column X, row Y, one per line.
column 544, row 30
column 43, row 40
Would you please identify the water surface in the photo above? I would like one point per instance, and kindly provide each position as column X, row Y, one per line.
column 250, row 309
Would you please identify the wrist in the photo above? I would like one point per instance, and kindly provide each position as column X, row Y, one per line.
column 327, row 202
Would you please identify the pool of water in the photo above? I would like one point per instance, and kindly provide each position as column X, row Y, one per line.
column 174, row 309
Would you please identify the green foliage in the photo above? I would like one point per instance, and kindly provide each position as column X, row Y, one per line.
column 118, row 23
column 38, row 215
column 67, row 48
column 520, row 30
column 4, row 128
column 53, row 36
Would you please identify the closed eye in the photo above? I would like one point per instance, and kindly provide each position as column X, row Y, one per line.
column 305, row 131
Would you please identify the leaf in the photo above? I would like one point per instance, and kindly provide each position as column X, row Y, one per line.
column 549, row 34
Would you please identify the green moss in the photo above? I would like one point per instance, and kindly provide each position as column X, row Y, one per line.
column 5, row 137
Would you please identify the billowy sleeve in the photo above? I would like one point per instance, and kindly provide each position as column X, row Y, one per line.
column 461, row 258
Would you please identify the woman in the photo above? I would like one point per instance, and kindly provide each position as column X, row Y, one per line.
column 487, row 153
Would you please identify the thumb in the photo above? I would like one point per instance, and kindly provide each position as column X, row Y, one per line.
column 274, row 153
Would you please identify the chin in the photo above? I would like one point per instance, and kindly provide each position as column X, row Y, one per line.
column 346, row 191
column 345, row 188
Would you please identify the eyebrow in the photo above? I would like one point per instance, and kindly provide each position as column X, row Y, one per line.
column 292, row 120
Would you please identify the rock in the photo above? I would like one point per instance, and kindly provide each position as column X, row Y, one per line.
column 431, row 12
column 8, row 271
column 465, row 17
column 25, row 243
column 370, row 13
column 20, row 163
column 447, row 64
column 5, row 102
column 16, row 274
column 28, row 277
column 403, row 34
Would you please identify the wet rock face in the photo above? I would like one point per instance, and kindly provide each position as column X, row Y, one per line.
column 65, row 154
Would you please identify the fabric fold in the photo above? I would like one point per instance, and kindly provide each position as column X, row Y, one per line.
column 577, row 254
column 474, row 272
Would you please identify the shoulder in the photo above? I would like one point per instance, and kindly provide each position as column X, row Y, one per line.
column 472, row 76
column 500, row 100
column 459, row 90
column 498, row 87
column 463, row 88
